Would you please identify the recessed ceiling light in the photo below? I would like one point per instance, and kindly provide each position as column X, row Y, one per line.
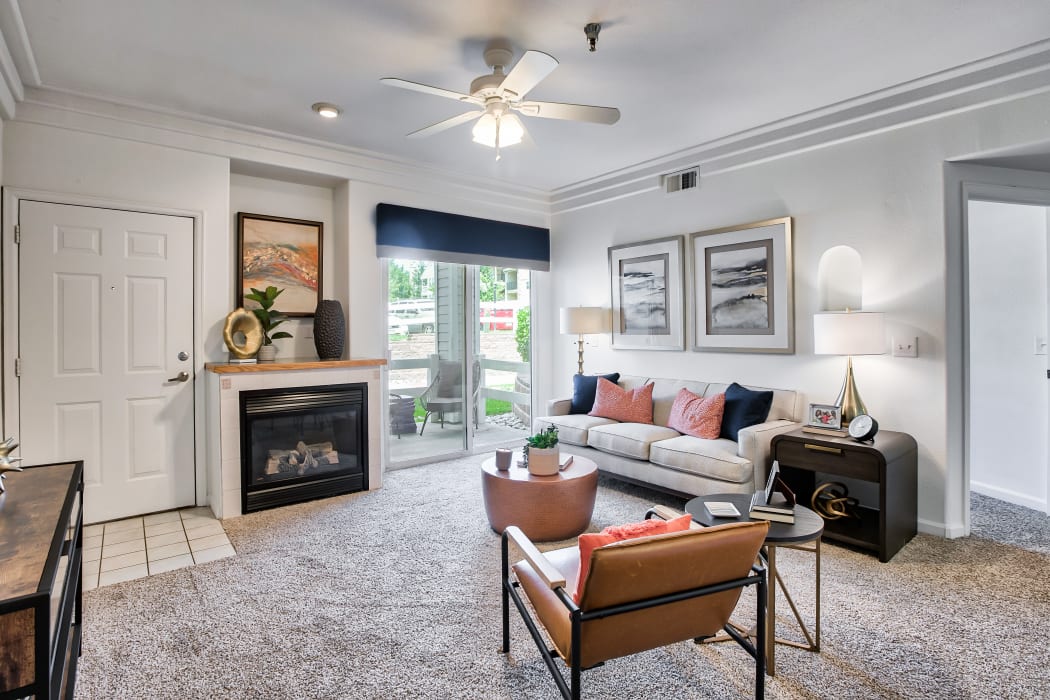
column 326, row 109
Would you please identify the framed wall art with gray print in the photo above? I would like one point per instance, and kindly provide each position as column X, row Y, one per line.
column 743, row 290
column 647, row 295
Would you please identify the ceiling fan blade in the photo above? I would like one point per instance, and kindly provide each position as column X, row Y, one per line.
column 446, row 124
column 533, row 67
column 576, row 113
column 429, row 89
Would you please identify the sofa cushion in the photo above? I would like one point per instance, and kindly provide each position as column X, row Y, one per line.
column 744, row 407
column 628, row 405
column 571, row 429
column 665, row 391
column 694, row 415
column 715, row 459
column 583, row 388
column 627, row 439
column 589, row 541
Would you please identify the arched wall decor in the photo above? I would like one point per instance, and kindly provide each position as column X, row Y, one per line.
column 840, row 279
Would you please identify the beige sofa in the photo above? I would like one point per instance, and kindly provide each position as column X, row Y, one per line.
column 663, row 457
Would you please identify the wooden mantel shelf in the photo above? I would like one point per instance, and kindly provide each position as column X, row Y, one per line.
column 291, row 365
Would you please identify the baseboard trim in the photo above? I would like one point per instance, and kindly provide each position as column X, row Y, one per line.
column 1018, row 499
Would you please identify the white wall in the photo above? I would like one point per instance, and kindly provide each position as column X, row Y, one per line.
column 882, row 195
column 258, row 195
column 1007, row 252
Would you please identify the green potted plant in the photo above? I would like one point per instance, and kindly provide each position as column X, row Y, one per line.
column 541, row 452
column 269, row 318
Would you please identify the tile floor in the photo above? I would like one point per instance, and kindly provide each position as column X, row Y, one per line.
column 136, row 547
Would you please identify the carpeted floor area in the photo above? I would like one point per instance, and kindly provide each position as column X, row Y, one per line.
column 394, row 594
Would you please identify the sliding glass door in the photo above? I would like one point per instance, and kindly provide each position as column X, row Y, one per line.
column 459, row 375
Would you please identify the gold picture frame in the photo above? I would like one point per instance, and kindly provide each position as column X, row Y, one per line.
column 743, row 288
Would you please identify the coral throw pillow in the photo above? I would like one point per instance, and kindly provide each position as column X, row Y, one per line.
column 694, row 415
column 590, row 541
column 625, row 405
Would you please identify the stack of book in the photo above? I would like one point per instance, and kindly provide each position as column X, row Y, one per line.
column 775, row 502
column 779, row 512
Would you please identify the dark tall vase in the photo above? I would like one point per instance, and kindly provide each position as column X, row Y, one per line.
column 329, row 329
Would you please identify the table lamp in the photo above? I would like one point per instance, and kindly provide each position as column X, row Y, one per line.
column 849, row 333
column 582, row 320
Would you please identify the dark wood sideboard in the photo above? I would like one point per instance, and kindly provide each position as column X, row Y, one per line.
column 883, row 523
column 41, row 548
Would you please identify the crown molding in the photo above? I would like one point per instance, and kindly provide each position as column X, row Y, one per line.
column 70, row 110
column 997, row 79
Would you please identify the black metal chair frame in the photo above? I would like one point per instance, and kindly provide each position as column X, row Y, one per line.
column 453, row 404
column 571, row 690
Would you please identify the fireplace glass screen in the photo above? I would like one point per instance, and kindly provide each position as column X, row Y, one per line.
column 302, row 443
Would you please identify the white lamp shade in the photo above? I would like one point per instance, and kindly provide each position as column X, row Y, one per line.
column 510, row 130
column 583, row 320
column 849, row 333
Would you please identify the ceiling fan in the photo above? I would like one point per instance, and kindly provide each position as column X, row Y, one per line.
column 497, row 96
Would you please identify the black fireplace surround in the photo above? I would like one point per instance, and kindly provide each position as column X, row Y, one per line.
column 302, row 443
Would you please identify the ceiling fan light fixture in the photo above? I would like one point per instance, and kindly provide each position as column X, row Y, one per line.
column 326, row 109
column 498, row 131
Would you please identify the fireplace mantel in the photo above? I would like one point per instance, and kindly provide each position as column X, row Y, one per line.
column 227, row 380
column 290, row 365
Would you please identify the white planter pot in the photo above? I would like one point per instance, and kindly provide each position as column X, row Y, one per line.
column 267, row 353
column 543, row 461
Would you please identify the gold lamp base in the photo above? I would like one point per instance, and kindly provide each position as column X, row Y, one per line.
column 579, row 354
column 849, row 400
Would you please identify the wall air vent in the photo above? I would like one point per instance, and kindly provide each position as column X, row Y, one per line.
column 681, row 181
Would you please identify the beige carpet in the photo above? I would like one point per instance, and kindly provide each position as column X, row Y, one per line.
column 394, row 594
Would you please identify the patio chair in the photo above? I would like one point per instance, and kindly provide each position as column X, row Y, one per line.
column 445, row 393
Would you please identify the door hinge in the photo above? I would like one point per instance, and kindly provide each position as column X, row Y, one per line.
column 18, row 234
column 18, row 366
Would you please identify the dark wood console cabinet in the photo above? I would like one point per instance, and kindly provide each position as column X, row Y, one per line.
column 890, row 462
column 41, row 520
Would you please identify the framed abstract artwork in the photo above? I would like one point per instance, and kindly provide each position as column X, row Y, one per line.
column 647, row 295
column 284, row 253
column 743, row 288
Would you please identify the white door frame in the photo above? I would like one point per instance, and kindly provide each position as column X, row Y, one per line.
column 963, row 183
column 9, row 332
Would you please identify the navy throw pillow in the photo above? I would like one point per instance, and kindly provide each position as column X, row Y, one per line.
column 744, row 407
column 584, row 386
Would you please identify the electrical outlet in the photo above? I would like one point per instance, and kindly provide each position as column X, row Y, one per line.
column 907, row 347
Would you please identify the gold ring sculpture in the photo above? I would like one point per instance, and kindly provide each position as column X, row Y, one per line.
column 242, row 323
column 832, row 501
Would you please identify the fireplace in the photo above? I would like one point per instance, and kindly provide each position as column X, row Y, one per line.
column 302, row 443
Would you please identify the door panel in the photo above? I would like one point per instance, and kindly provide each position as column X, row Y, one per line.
column 105, row 309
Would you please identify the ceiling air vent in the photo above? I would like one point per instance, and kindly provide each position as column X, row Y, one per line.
column 681, row 181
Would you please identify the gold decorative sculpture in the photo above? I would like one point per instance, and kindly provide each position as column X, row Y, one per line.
column 6, row 462
column 242, row 324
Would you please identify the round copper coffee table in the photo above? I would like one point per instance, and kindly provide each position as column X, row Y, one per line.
column 546, row 508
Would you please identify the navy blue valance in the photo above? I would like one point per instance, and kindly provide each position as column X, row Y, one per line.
column 421, row 234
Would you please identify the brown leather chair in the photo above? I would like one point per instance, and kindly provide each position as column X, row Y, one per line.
column 640, row 594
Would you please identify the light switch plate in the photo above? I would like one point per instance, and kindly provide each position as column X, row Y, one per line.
column 906, row 347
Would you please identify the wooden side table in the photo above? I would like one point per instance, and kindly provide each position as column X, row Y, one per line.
column 890, row 462
column 546, row 508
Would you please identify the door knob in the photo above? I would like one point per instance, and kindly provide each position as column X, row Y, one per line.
column 180, row 377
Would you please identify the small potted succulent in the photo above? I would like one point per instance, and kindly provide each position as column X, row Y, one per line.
column 269, row 318
column 541, row 452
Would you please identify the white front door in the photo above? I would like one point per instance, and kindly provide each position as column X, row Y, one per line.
column 106, row 343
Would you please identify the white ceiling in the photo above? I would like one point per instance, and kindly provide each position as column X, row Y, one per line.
column 682, row 72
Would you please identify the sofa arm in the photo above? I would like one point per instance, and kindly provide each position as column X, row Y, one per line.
column 558, row 407
column 754, row 444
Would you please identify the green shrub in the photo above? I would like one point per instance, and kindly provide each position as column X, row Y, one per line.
column 523, row 334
